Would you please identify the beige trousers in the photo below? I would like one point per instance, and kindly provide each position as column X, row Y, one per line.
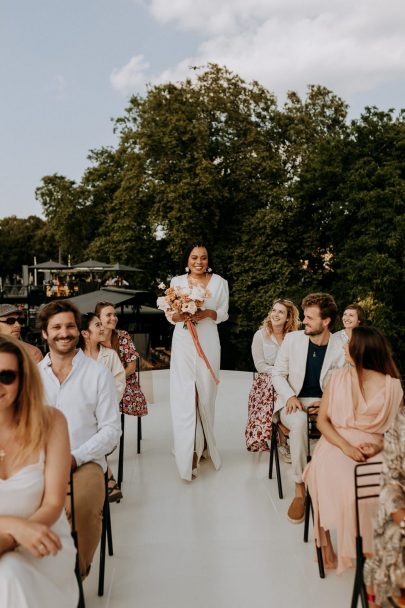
column 297, row 424
column 89, row 494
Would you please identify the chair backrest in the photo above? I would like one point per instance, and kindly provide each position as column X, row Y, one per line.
column 367, row 479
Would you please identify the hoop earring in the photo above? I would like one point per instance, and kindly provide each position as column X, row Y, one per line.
column 209, row 270
column 187, row 269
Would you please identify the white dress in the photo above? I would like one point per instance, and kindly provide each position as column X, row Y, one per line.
column 189, row 373
column 27, row 581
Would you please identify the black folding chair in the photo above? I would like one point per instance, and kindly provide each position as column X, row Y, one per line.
column 106, row 535
column 366, row 486
column 70, row 493
column 276, row 428
column 120, row 475
column 312, row 433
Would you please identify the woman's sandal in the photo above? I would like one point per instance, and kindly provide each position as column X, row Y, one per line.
column 114, row 491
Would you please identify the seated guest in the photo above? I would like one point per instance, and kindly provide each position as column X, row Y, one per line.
column 91, row 336
column 384, row 573
column 11, row 320
column 282, row 318
column 353, row 316
column 85, row 392
column 300, row 374
column 357, row 408
column 37, row 555
column 133, row 402
column 92, row 333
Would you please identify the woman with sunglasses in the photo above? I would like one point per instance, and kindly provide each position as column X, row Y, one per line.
column 281, row 319
column 37, row 555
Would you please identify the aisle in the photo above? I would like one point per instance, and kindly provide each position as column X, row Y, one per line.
column 220, row 541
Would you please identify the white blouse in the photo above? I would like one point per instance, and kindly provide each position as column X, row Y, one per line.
column 264, row 351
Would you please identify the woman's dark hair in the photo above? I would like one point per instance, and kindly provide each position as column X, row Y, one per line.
column 189, row 249
column 370, row 349
column 114, row 335
column 87, row 318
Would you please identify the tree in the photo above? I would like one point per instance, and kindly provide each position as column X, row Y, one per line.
column 20, row 240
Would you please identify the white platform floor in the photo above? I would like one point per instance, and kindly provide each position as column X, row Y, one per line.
column 220, row 541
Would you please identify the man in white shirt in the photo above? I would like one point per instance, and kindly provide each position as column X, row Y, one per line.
column 301, row 371
column 85, row 392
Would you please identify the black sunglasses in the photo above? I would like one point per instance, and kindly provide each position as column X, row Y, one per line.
column 13, row 320
column 7, row 376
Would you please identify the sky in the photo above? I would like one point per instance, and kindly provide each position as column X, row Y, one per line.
column 68, row 68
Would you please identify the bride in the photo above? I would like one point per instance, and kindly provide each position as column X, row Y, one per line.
column 192, row 386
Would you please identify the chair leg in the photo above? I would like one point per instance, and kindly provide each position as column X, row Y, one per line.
column 278, row 472
column 139, row 435
column 308, row 509
column 273, row 446
column 274, row 454
column 120, row 475
column 102, row 555
column 320, row 562
column 108, row 528
column 81, row 603
column 358, row 577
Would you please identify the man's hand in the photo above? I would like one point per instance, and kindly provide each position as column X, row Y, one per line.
column 293, row 404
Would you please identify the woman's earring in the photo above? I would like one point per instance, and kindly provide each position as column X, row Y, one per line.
column 209, row 269
column 187, row 269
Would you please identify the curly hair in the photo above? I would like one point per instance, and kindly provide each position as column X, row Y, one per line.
column 292, row 323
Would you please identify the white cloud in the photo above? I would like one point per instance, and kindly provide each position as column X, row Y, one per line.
column 132, row 76
column 287, row 44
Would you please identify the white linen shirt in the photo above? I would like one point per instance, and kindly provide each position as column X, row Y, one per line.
column 88, row 399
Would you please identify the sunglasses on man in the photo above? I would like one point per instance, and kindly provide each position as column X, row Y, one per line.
column 7, row 376
column 13, row 320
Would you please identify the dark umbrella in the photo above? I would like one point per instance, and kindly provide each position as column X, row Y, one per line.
column 91, row 265
column 123, row 267
column 49, row 265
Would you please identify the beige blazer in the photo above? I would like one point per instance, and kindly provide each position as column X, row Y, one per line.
column 289, row 369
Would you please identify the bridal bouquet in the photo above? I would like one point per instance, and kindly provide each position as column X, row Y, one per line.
column 182, row 299
column 187, row 300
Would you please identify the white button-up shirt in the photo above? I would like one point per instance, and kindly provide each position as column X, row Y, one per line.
column 88, row 399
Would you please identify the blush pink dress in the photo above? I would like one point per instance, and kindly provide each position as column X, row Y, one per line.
column 330, row 474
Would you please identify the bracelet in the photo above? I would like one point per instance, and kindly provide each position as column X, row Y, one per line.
column 402, row 526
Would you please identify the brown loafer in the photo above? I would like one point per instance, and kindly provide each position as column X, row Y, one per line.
column 296, row 510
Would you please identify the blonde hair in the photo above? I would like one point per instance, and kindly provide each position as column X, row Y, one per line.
column 31, row 416
column 292, row 323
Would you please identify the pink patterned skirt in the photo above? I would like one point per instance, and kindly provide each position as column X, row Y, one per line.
column 260, row 411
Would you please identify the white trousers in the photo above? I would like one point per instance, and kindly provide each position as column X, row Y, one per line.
column 297, row 425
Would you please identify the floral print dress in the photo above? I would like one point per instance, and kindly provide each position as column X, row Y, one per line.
column 385, row 571
column 133, row 401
